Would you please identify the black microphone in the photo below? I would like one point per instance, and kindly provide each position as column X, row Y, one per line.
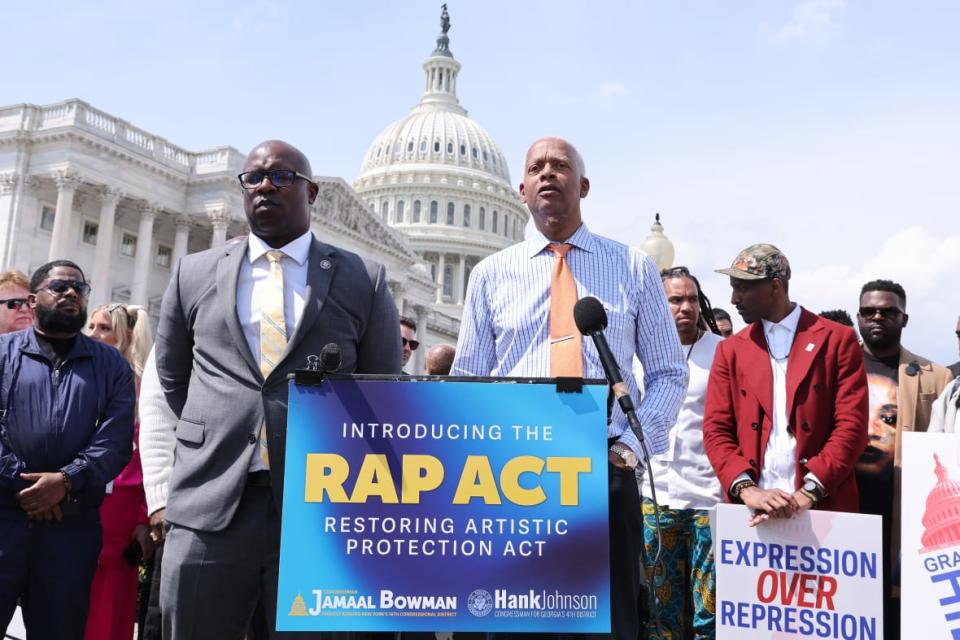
column 591, row 320
column 330, row 357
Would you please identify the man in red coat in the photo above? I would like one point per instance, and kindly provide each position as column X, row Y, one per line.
column 786, row 407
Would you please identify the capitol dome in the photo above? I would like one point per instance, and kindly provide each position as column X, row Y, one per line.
column 941, row 519
column 440, row 178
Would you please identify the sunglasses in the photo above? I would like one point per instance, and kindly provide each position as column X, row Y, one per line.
column 60, row 287
column 278, row 178
column 413, row 343
column 15, row 304
column 886, row 313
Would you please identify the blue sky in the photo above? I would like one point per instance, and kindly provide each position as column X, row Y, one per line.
column 830, row 128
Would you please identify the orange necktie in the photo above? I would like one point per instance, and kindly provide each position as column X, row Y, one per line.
column 566, row 356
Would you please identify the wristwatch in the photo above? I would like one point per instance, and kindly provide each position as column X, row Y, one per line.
column 629, row 457
column 813, row 490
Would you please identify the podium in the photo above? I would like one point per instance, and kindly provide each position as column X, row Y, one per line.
column 444, row 504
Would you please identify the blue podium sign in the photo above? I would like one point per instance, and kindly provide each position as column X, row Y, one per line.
column 444, row 506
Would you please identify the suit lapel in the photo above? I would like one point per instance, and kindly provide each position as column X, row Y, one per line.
column 758, row 374
column 807, row 343
column 320, row 269
column 228, row 271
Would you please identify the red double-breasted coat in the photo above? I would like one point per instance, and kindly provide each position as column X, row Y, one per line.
column 827, row 407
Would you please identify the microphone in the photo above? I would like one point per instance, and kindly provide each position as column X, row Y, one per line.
column 330, row 357
column 591, row 320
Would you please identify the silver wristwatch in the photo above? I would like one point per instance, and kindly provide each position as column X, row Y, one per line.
column 625, row 452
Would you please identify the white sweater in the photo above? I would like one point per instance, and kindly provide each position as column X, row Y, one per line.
column 157, row 439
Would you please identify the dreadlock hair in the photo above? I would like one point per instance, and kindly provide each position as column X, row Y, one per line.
column 707, row 320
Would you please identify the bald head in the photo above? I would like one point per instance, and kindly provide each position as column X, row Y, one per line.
column 278, row 215
column 571, row 150
column 553, row 186
column 440, row 359
column 297, row 159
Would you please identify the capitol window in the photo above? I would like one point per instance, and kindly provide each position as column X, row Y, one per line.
column 449, row 147
column 485, row 156
column 474, row 153
column 47, row 216
column 450, row 212
column 494, row 227
column 410, row 146
column 423, row 146
column 400, row 211
column 128, row 244
column 164, row 256
column 90, row 229
column 384, row 209
column 434, row 211
column 466, row 215
column 416, row 211
column 483, row 216
column 448, row 281
column 436, row 147
column 463, row 149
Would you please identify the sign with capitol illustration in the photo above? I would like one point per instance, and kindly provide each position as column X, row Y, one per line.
column 930, row 549
column 445, row 506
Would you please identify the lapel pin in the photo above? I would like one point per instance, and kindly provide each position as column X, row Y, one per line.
column 325, row 264
column 810, row 346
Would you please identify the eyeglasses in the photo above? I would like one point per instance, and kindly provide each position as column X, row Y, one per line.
column 675, row 272
column 413, row 343
column 885, row 312
column 278, row 178
column 60, row 287
column 15, row 304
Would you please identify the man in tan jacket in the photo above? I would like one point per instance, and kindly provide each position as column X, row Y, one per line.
column 903, row 387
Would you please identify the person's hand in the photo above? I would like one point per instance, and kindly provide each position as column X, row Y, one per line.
column 768, row 504
column 803, row 501
column 141, row 533
column 46, row 492
column 156, row 525
column 616, row 460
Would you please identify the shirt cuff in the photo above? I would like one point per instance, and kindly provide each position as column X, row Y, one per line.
column 629, row 439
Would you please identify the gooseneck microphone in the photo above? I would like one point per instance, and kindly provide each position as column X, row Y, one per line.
column 591, row 320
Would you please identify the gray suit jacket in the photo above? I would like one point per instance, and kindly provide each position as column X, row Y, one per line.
column 213, row 383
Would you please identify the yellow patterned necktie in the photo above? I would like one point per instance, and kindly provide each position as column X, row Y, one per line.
column 273, row 332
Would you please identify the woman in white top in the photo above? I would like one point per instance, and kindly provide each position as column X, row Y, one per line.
column 686, row 487
column 945, row 413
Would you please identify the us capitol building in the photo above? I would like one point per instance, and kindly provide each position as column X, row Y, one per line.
column 432, row 199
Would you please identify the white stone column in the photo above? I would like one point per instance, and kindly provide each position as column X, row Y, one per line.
column 220, row 221
column 397, row 289
column 181, row 240
column 67, row 183
column 8, row 184
column 461, row 274
column 142, row 261
column 100, row 293
column 441, row 266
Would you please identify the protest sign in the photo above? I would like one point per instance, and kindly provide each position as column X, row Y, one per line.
column 818, row 574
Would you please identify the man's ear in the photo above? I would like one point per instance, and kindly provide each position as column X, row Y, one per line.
column 584, row 187
column 314, row 190
column 906, row 318
column 523, row 194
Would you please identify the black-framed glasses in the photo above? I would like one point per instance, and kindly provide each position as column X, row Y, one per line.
column 413, row 343
column 15, row 304
column 278, row 178
column 60, row 287
column 887, row 313
column 675, row 272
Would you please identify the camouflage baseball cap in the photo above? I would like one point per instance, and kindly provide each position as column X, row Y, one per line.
column 759, row 262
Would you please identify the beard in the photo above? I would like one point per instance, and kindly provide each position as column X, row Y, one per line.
column 887, row 338
column 53, row 321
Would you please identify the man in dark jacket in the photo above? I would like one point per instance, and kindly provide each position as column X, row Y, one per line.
column 66, row 430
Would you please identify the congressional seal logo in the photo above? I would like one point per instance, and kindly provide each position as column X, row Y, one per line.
column 480, row 603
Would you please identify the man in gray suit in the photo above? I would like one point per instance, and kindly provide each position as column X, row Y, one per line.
column 235, row 320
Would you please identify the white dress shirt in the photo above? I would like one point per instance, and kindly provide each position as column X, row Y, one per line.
column 683, row 475
column 780, row 458
column 253, row 283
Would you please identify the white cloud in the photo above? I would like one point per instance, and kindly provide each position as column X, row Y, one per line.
column 812, row 21
column 609, row 90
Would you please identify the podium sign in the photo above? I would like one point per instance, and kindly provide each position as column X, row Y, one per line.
column 817, row 575
column 444, row 506
column 930, row 549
